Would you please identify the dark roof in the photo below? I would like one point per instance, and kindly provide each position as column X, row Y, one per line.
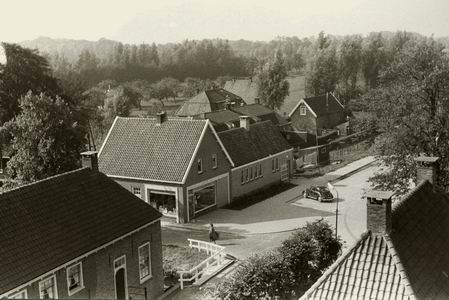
column 248, row 89
column 139, row 148
column 411, row 262
column 323, row 104
column 262, row 112
column 261, row 140
column 50, row 222
column 208, row 101
column 222, row 116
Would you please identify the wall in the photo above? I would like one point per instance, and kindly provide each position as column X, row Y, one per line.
column 304, row 123
column 268, row 178
column 313, row 155
column 98, row 269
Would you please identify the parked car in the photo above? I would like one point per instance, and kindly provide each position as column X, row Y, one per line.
column 320, row 193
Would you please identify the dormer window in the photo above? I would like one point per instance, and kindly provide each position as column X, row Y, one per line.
column 302, row 110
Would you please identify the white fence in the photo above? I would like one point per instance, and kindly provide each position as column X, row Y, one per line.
column 215, row 260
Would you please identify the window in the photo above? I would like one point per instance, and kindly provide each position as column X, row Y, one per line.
column 251, row 175
column 260, row 170
column 277, row 164
column 302, row 110
column 273, row 168
column 144, row 262
column 200, row 166
column 75, row 278
column 19, row 295
column 246, row 174
column 47, row 288
column 137, row 192
column 214, row 161
column 242, row 180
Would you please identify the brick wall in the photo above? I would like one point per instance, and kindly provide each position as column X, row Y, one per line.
column 379, row 217
column 98, row 269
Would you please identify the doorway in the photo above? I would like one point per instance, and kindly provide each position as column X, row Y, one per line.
column 121, row 285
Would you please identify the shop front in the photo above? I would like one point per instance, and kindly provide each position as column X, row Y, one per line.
column 163, row 199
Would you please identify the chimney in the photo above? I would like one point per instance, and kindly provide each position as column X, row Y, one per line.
column 89, row 159
column 244, row 122
column 160, row 118
column 257, row 100
column 426, row 169
column 378, row 205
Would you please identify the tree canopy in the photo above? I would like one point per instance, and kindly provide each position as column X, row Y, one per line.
column 411, row 104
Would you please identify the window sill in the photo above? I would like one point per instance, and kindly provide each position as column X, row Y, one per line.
column 76, row 290
column 145, row 279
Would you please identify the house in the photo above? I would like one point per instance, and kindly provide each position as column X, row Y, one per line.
column 230, row 118
column 79, row 235
column 177, row 165
column 261, row 156
column 319, row 116
column 404, row 253
column 209, row 101
column 247, row 88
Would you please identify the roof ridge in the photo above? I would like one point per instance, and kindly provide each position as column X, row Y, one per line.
column 336, row 264
column 397, row 261
column 169, row 118
column 408, row 195
column 27, row 185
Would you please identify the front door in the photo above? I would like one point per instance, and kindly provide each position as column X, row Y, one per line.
column 121, row 286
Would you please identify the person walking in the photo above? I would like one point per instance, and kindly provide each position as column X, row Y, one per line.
column 213, row 235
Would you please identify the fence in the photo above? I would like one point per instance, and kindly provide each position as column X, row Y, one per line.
column 215, row 260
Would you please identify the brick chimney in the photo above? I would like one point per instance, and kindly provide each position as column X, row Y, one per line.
column 244, row 122
column 161, row 117
column 378, row 205
column 426, row 169
column 89, row 159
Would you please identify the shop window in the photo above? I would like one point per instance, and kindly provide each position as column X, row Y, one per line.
column 47, row 288
column 200, row 166
column 214, row 161
column 203, row 198
column 137, row 192
column 163, row 201
column 144, row 262
column 75, row 278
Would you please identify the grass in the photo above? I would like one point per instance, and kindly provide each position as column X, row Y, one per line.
column 259, row 196
column 179, row 258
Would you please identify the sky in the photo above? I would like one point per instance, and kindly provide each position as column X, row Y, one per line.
column 161, row 21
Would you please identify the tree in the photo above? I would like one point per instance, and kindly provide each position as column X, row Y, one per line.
column 374, row 59
column 165, row 88
column 349, row 65
column 288, row 271
column 45, row 139
column 322, row 74
column 411, row 105
column 272, row 82
column 24, row 71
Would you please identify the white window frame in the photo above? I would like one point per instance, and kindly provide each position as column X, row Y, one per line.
column 135, row 189
column 150, row 274
column 74, row 291
column 200, row 166
column 302, row 110
column 242, row 177
column 55, row 284
column 14, row 296
column 214, row 161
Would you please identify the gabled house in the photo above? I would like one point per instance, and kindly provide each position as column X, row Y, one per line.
column 247, row 88
column 177, row 165
column 261, row 156
column 209, row 101
column 404, row 253
column 79, row 235
column 319, row 116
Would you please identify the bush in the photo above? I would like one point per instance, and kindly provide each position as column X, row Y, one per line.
column 288, row 271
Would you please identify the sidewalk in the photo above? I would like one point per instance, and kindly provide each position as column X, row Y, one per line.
column 275, row 214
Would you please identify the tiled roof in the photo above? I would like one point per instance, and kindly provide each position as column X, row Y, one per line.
column 412, row 262
column 262, row 112
column 246, row 88
column 222, row 116
column 48, row 223
column 261, row 140
column 139, row 148
column 323, row 104
column 208, row 101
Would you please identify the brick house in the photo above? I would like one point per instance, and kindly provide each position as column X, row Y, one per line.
column 209, row 101
column 320, row 115
column 177, row 165
column 79, row 235
column 404, row 253
column 261, row 156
